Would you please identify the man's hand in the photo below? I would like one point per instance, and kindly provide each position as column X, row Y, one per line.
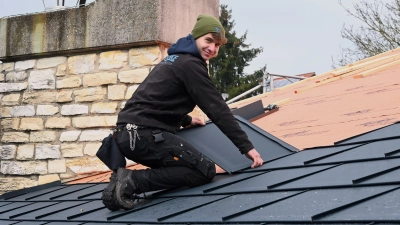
column 196, row 121
column 256, row 157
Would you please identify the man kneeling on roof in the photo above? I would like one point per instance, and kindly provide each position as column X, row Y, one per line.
column 147, row 125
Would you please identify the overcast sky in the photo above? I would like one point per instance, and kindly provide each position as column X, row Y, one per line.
column 298, row 36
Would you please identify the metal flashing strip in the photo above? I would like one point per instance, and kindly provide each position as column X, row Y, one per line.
column 250, row 111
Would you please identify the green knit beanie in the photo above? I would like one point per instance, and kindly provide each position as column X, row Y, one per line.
column 207, row 24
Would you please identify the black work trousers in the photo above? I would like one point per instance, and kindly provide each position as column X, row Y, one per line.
column 167, row 169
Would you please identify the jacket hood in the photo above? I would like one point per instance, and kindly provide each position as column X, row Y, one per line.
column 185, row 45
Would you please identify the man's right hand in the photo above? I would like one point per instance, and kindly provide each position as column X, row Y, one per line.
column 256, row 157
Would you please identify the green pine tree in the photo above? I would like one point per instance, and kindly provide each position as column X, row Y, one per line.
column 227, row 69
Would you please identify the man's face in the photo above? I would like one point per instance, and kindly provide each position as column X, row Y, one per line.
column 207, row 46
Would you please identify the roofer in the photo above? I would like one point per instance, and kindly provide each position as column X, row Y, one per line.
column 147, row 125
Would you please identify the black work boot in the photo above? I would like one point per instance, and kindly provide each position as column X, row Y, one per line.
column 108, row 196
column 127, row 186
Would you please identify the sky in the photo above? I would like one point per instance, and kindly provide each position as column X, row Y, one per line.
column 298, row 36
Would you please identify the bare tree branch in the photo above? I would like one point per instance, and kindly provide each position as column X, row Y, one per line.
column 379, row 33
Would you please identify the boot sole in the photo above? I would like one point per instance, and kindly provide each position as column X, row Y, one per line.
column 108, row 197
column 118, row 194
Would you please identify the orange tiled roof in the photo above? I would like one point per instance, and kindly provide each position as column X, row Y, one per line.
column 332, row 106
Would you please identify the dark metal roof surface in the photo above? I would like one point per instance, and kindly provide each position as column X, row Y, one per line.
column 342, row 184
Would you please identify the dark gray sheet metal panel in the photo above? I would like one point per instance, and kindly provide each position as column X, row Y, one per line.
column 215, row 145
column 250, row 111
column 62, row 192
column 220, row 180
column 85, row 192
column 341, row 175
column 25, row 209
column 387, row 177
column 301, row 208
column 372, row 150
column 7, row 222
column 35, row 193
column 4, row 203
column 64, row 223
column 299, row 158
column 36, row 214
column 234, row 204
column 101, row 215
column 30, row 223
column 68, row 208
column 265, row 181
column 169, row 208
column 390, row 131
column 12, row 206
column 382, row 208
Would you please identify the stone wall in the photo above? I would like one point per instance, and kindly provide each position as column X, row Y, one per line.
column 55, row 111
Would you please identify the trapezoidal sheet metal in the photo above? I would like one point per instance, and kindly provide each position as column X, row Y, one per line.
column 210, row 141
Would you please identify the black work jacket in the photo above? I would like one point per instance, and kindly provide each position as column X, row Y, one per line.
column 172, row 90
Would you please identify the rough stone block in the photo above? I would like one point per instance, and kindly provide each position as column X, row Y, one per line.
column 45, row 179
column 11, row 99
column 31, row 124
column 116, row 92
column 90, row 94
column 81, row 64
column 94, row 135
column 7, row 151
column 15, row 137
column 136, row 76
column 64, row 96
column 42, row 79
column 143, row 56
column 46, row 110
column 36, row 97
column 58, row 122
column 5, row 112
column 9, row 87
column 130, row 91
column 23, row 168
column 61, row 70
column 70, row 82
column 8, row 66
column 18, row 111
column 16, row 183
column 94, row 121
column 72, row 150
column 10, row 124
column 91, row 148
column 70, row 135
column 97, row 79
column 25, row 152
column 104, row 107
column 42, row 136
column 16, row 76
column 2, row 77
column 86, row 165
column 24, row 65
column 50, row 62
column 47, row 151
column 57, row 166
column 113, row 60
column 68, row 110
